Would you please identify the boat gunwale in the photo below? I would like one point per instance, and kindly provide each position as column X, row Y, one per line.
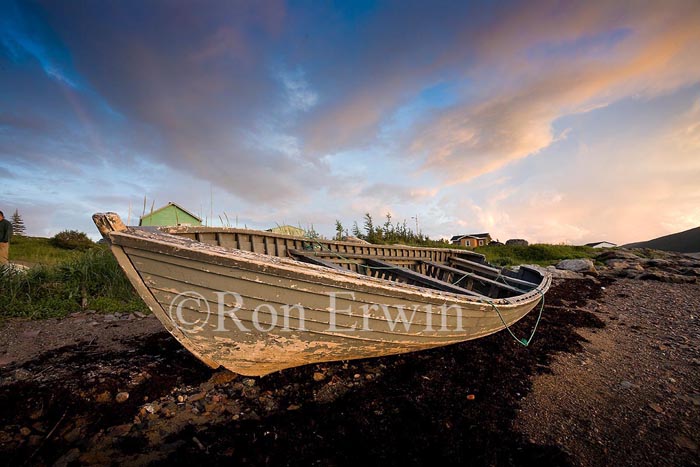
column 187, row 248
column 264, row 233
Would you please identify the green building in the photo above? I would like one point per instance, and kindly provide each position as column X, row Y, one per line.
column 170, row 215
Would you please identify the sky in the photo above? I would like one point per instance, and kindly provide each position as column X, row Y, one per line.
column 559, row 122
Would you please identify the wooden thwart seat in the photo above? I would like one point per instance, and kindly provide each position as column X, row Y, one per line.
column 488, row 271
column 421, row 278
column 461, row 273
column 320, row 258
column 311, row 257
column 345, row 255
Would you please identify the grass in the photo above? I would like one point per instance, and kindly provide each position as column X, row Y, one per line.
column 64, row 282
column 37, row 250
column 542, row 254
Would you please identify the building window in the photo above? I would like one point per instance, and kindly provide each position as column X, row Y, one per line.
column 481, row 243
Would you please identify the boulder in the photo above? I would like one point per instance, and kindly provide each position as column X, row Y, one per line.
column 626, row 273
column 584, row 265
column 620, row 264
column 666, row 277
column 659, row 263
column 617, row 264
column 688, row 263
column 556, row 273
column 13, row 268
column 617, row 254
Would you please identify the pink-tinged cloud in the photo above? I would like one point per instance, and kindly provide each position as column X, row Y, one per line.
column 472, row 139
column 628, row 184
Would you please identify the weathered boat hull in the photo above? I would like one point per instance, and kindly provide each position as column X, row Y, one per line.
column 255, row 313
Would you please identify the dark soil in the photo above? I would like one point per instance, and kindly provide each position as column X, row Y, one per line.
column 455, row 405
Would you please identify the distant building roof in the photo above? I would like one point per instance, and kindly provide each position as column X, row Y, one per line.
column 459, row 237
column 170, row 203
column 599, row 243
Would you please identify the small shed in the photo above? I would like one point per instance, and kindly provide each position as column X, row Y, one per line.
column 171, row 214
column 288, row 230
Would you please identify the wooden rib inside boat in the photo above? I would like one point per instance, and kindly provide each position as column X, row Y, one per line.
column 371, row 286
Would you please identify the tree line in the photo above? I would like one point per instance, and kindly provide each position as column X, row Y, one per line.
column 387, row 232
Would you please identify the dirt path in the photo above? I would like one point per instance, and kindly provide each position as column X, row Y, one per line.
column 611, row 378
column 632, row 396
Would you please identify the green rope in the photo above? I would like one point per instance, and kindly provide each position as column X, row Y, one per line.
column 523, row 341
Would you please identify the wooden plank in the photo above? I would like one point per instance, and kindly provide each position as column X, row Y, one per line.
column 145, row 293
column 381, row 257
column 227, row 240
column 310, row 257
column 490, row 271
column 207, row 237
column 420, row 278
column 282, row 250
column 494, row 284
column 474, row 265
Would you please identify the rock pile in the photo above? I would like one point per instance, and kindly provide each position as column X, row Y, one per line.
column 653, row 265
column 638, row 263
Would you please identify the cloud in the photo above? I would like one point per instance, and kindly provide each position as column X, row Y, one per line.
column 628, row 182
column 394, row 193
column 24, row 39
column 192, row 87
column 5, row 173
column 472, row 139
column 299, row 93
column 686, row 133
column 430, row 109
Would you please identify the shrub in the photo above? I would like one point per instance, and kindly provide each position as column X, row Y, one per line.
column 72, row 240
column 517, row 242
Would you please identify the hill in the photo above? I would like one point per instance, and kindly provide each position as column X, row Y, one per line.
column 687, row 241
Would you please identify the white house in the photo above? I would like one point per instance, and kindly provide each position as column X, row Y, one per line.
column 601, row 245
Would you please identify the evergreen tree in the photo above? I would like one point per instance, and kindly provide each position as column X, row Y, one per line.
column 356, row 230
column 18, row 227
column 369, row 225
column 388, row 228
column 338, row 230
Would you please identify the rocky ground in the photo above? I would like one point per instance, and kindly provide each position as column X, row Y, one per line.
column 612, row 377
column 637, row 263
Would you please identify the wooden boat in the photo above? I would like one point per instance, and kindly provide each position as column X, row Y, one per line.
column 258, row 302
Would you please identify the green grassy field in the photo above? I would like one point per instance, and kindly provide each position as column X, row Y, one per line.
column 542, row 254
column 62, row 281
column 37, row 250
